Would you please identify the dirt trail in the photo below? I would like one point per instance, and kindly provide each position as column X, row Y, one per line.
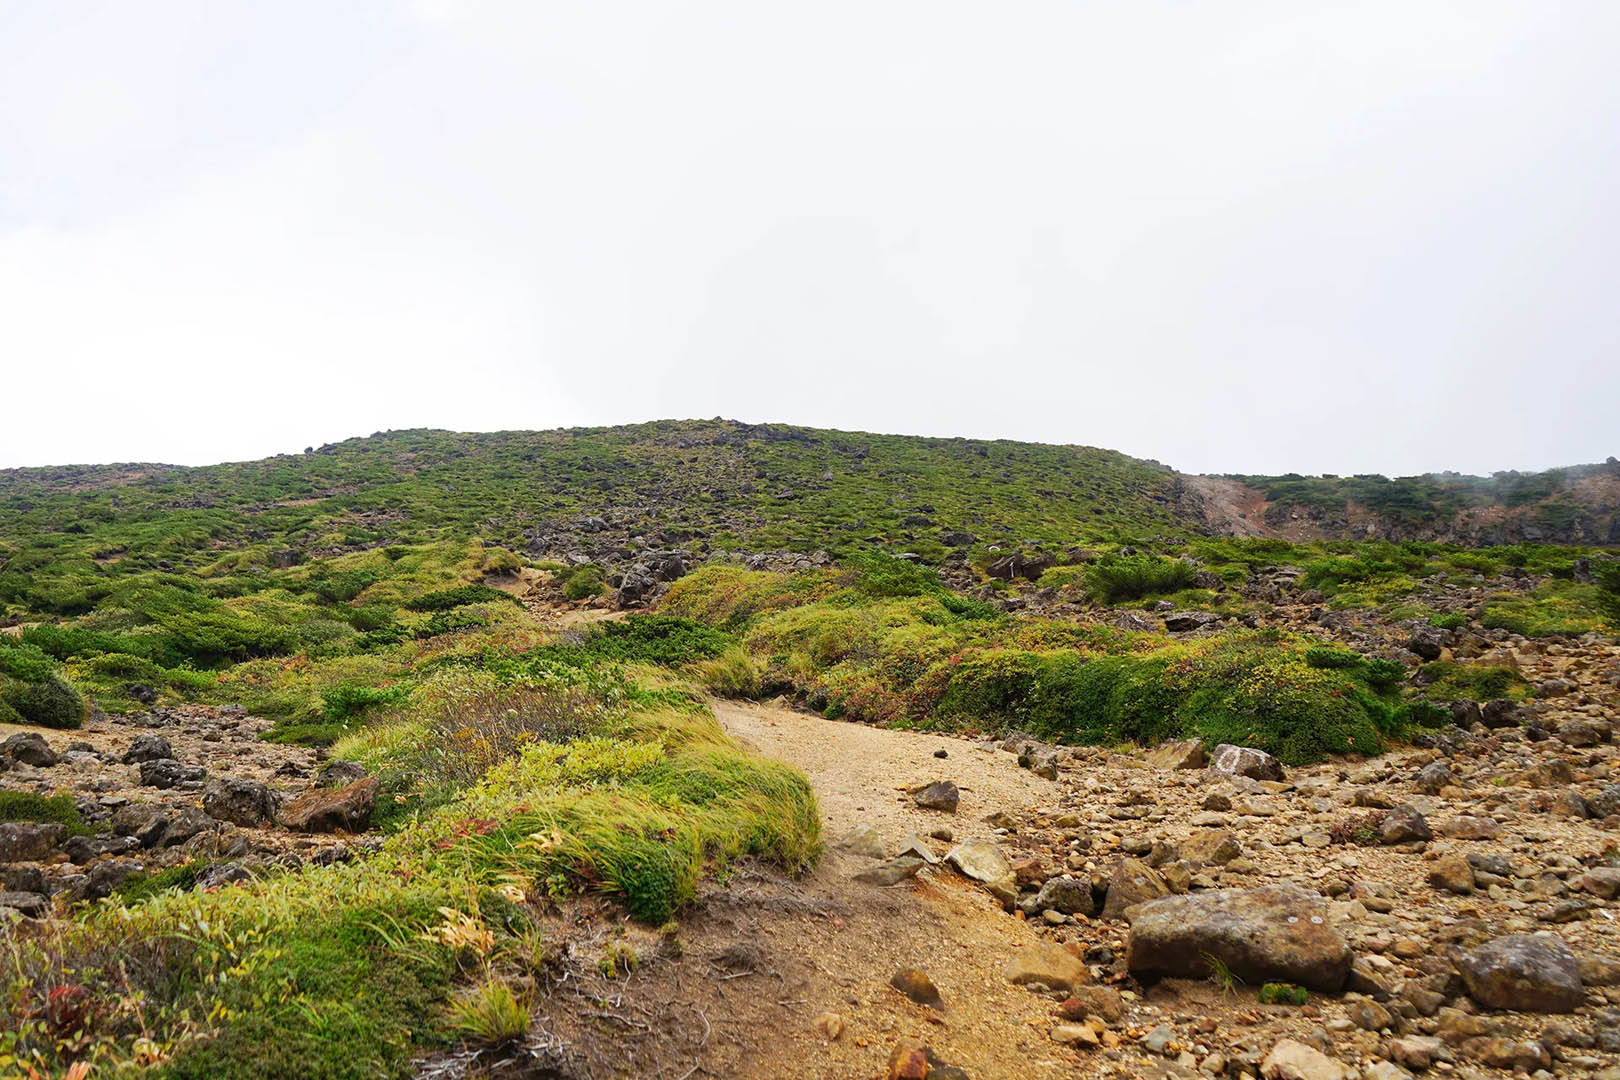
column 940, row 923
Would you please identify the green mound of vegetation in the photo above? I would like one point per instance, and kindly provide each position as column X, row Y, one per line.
column 913, row 660
column 33, row 689
column 510, row 778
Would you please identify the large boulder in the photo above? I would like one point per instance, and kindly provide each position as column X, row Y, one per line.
column 28, row 841
column 1027, row 565
column 328, row 810
column 1246, row 761
column 29, row 748
column 1185, row 754
column 1276, row 933
column 239, row 801
column 147, row 747
column 1526, row 972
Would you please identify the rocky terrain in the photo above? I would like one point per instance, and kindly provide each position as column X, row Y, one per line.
column 191, row 787
column 1444, row 909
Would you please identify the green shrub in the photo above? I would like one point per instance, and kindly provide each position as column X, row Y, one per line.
column 46, row 809
column 461, row 596
column 646, row 639
column 1118, row 579
column 732, row 674
column 348, row 700
column 582, row 582
column 52, row 702
column 1448, row 680
column 1283, row 994
column 1452, row 621
column 878, row 573
column 1329, row 658
column 1424, row 714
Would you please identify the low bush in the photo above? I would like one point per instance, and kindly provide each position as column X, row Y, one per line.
column 45, row 809
column 732, row 674
column 461, row 596
column 1118, row 579
column 582, row 582
column 51, row 702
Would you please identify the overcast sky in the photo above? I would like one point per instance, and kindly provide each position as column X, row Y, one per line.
column 1254, row 237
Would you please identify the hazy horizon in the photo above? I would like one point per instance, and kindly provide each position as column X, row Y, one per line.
column 1257, row 237
column 739, row 420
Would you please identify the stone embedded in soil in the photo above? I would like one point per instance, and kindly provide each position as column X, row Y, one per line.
column 1131, row 881
column 980, row 860
column 1527, row 972
column 892, row 872
column 29, row 748
column 1048, row 964
column 239, row 801
column 941, row 795
column 324, row 810
column 1246, row 761
column 26, row 841
column 916, row 985
column 1275, row 933
column 1293, row 1060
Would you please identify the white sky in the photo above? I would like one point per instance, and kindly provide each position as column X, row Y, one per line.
column 1230, row 236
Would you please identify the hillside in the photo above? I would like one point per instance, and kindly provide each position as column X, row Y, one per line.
column 439, row 755
column 721, row 485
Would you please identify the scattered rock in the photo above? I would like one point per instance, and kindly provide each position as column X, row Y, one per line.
column 1291, row 1060
column 322, row 810
column 980, row 860
column 147, row 747
column 941, row 795
column 29, row 748
column 1048, row 964
column 1246, row 761
column 1529, row 972
column 240, row 802
column 1278, row 933
column 916, row 985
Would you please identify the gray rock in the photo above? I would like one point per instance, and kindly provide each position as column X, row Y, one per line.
column 239, row 801
column 1526, row 972
column 32, row 904
column 1501, row 714
column 980, row 860
column 1246, row 761
column 218, row 874
column 1403, row 824
column 1274, row 933
column 1070, row 895
column 29, row 748
column 941, row 795
column 147, row 747
column 28, row 841
column 169, row 773
column 1181, row 622
column 1434, row 777
column 83, row 849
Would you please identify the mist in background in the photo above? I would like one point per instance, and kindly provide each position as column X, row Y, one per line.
column 1241, row 237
